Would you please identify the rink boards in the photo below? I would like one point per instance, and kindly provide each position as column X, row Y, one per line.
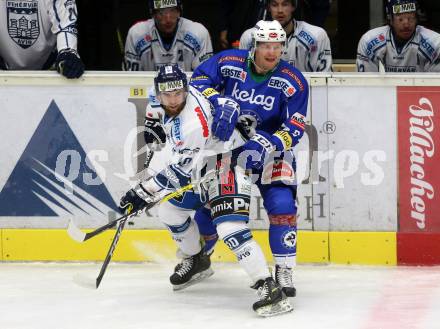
column 365, row 168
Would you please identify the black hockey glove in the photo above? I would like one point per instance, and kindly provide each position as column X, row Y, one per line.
column 69, row 64
column 154, row 133
column 136, row 200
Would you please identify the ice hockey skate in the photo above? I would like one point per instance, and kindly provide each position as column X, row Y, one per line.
column 273, row 300
column 283, row 276
column 191, row 270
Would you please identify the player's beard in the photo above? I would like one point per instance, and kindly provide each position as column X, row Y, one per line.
column 173, row 111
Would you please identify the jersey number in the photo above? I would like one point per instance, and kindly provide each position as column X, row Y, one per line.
column 131, row 66
column 72, row 14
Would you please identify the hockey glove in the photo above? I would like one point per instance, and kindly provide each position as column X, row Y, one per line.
column 69, row 64
column 257, row 149
column 154, row 134
column 225, row 118
column 138, row 199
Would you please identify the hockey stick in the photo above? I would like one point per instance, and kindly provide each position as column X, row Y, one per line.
column 111, row 250
column 118, row 235
column 78, row 235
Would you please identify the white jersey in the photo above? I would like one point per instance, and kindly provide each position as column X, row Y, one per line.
column 420, row 54
column 189, row 135
column 307, row 48
column 30, row 30
column 145, row 50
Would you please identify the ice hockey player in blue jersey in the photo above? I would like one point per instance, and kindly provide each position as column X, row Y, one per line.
column 273, row 99
column 186, row 118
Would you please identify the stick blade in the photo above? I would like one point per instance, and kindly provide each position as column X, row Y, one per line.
column 75, row 233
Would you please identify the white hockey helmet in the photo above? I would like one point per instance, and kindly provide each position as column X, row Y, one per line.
column 268, row 31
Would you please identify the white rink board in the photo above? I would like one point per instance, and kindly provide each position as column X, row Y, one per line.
column 363, row 170
column 100, row 112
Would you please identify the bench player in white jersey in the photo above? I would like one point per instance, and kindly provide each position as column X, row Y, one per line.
column 35, row 34
column 186, row 117
column 400, row 46
column 307, row 46
column 167, row 38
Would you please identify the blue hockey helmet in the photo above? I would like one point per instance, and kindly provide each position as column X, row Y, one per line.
column 161, row 4
column 170, row 78
column 394, row 7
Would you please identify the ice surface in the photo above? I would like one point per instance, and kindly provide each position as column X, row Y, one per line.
column 137, row 296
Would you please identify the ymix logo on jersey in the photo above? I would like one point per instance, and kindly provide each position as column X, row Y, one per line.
column 53, row 176
column 23, row 23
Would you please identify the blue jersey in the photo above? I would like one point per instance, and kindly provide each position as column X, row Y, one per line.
column 275, row 103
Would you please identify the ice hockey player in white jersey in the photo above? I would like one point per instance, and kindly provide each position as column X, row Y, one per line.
column 167, row 38
column 400, row 46
column 36, row 34
column 225, row 188
column 307, row 46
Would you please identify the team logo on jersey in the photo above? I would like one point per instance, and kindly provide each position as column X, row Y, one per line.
column 23, row 23
column 266, row 102
column 283, row 84
column 289, row 239
column 233, row 72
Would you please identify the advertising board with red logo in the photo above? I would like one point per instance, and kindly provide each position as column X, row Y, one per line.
column 419, row 176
